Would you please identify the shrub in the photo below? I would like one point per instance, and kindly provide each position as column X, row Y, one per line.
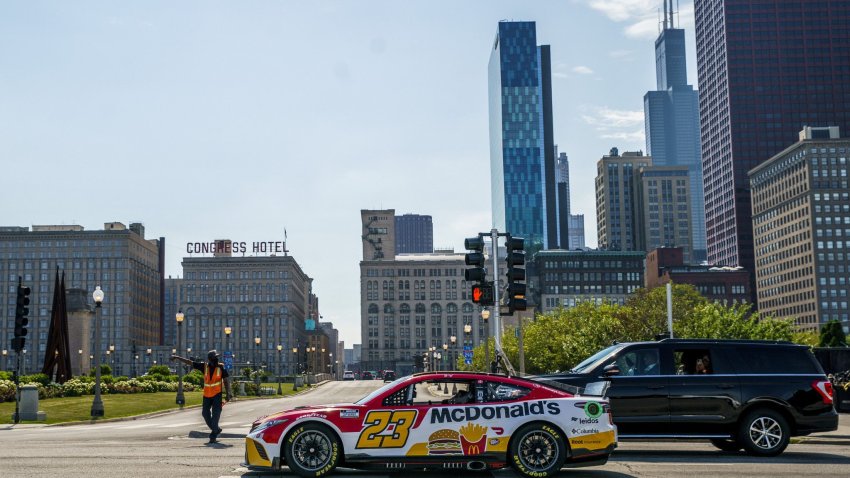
column 5, row 375
column 7, row 390
column 76, row 387
column 195, row 377
column 39, row 378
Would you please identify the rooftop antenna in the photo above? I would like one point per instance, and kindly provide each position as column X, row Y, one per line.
column 659, row 20
column 665, row 15
column 677, row 12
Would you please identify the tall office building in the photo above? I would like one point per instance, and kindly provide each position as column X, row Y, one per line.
column 522, row 149
column 765, row 69
column 801, row 221
column 664, row 209
column 562, row 179
column 410, row 303
column 671, row 118
column 414, row 233
column 576, row 240
column 254, row 297
column 127, row 266
column 617, row 200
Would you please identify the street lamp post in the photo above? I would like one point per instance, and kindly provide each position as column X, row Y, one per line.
column 453, row 339
column 257, row 341
column 330, row 362
column 181, row 400
column 97, row 404
column 445, row 355
column 279, row 365
column 79, row 354
column 485, row 314
column 294, row 369
column 149, row 357
column 6, row 358
column 110, row 358
column 227, row 331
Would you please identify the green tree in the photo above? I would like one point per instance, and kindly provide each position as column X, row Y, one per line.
column 715, row 321
column 832, row 335
column 105, row 370
column 646, row 311
column 806, row 337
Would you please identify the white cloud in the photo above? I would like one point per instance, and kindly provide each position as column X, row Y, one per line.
column 582, row 70
column 634, row 136
column 642, row 16
column 610, row 123
column 605, row 117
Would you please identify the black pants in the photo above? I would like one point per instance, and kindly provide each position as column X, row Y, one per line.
column 211, row 411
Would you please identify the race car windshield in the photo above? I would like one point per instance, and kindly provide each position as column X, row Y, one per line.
column 593, row 359
column 377, row 392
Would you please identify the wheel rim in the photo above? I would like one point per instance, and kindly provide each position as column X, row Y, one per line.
column 538, row 451
column 312, row 450
column 765, row 433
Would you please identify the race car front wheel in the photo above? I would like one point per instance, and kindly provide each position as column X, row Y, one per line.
column 537, row 450
column 312, row 450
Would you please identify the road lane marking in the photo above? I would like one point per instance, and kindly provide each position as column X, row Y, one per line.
column 133, row 427
column 175, row 425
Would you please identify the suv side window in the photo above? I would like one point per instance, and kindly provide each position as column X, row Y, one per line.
column 639, row 362
column 775, row 360
column 698, row 361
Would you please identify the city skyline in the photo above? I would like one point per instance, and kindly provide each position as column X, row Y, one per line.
column 248, row 124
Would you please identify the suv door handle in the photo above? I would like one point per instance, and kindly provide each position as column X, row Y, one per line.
column 726, row 386
column 654, row 387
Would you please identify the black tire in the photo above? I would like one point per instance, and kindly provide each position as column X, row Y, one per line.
column 312, row 450
column 726, row 444
column 537, row 450
column 764, row 432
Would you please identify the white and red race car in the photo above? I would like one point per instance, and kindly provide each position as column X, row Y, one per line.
column 439, row 420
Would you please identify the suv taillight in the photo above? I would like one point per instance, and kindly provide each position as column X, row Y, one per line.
column 824, row 388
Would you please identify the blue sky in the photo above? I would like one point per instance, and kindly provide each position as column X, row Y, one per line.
column 206, row 120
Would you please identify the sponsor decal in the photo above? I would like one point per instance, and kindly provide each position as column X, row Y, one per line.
column 471, row 414
column 473, row 439
column 593, row 409
column 584, row 431
column 349, row 414
column 444, row 442
column 494, row 441
column 586, row 421
column 312, row 415
column 498, row 430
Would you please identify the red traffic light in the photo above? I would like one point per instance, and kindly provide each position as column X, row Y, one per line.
column 477, row 293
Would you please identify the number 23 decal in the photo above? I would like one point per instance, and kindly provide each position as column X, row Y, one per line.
column 386, row 428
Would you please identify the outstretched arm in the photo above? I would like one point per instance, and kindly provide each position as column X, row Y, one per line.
column 181, row 359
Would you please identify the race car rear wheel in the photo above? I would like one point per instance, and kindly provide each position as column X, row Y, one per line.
column 312, row 450
column 537, row 450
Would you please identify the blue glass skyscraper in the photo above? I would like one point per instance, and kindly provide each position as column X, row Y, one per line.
column 671, row 116
column 522, row 150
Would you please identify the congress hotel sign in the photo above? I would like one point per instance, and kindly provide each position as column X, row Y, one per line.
column 236, row 247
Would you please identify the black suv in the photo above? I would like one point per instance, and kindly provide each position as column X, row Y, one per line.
column 745, row 394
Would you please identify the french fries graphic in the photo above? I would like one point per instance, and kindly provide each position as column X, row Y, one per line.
column 473, row 439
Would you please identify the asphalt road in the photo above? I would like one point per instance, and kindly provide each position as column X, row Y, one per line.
column 174, row 445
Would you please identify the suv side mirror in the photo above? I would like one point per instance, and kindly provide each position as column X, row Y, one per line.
column 610, row 370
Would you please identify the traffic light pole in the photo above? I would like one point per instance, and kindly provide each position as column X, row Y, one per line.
column 497, row 320
column 17, row 387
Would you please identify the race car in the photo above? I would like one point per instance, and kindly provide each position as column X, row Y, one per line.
column 442, row 421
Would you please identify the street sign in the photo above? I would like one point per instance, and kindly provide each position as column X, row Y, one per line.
column 228, row 360
column 467, row 357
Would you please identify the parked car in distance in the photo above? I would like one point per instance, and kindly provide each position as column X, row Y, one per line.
column 389, row 375
column 440, row 421
column 367, row 375
column 738, row 394
column 348, row 375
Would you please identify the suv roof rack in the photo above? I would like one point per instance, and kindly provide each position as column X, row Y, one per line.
column 737, row 341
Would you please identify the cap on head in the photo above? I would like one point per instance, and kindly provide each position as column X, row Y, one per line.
column 212, row 354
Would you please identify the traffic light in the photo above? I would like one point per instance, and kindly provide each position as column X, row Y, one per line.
column 21, row 319
column 476, row 273
column 515, row 290
column 482, row 294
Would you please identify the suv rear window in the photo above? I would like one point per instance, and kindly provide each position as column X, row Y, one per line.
column 775, row 360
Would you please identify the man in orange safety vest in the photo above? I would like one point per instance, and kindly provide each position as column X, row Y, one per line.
column 216, row 381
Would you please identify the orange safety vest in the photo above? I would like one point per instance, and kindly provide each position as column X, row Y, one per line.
column 212, row 384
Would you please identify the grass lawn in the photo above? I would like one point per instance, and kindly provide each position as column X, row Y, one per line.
column 72, row 409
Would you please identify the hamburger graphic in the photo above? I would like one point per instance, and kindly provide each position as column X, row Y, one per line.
column 444, row 442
